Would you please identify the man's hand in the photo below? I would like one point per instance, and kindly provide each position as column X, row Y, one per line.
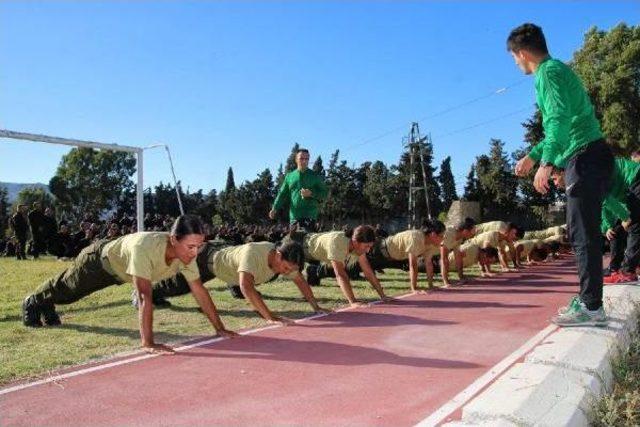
column 626, row 224
column 305, row 192
column 610, row 234
column 524, row 166
column 541, row 180
column 272, row 214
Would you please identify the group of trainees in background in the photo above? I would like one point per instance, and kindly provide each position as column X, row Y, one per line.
column 161, row 265
column 620, row 223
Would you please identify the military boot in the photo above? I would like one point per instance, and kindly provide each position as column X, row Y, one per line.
column 31, row 313
column 49, row 314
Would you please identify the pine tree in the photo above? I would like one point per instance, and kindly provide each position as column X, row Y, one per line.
column 318, row 167
column 471, row 190
column 447, row 183
column 4, row 210
column 291, row 160
column 231, row 183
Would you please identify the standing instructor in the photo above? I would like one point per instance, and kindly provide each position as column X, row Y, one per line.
column 573, row 142
column 304, row 190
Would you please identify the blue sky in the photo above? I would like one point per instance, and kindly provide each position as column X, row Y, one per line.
column 238, row 83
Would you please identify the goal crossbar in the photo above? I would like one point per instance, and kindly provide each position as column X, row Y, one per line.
column 97, row 145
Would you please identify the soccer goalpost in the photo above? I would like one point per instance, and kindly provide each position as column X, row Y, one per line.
column 138, row 151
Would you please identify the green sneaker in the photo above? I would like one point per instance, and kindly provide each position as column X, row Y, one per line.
column 573, row 305
column 580, row 316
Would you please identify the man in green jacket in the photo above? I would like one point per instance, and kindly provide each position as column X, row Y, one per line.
column 303, row 189
column 623, row 204
column 573, row 142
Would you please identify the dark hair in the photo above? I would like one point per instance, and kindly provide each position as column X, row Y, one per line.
column 361, row 234
column 519, row 230
column 432, row 226
column 185, row 225
column 292, row 252
column 302, row 150
column 490, row 252
column 527, row 36
column 467, row 224
column 539, row 254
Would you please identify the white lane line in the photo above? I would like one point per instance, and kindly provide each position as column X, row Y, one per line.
column 149, row 356
column 468, row 393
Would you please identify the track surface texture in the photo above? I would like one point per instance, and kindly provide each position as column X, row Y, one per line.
column 389, row 364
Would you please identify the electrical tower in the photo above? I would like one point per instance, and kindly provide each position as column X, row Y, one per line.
column 415, row 146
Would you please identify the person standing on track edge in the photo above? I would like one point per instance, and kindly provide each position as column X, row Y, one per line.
column 304, row 190
column 574, row 142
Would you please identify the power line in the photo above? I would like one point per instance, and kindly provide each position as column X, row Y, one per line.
column 495, row 119
column 436, row 114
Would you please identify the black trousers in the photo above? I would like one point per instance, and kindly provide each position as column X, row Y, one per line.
column 632, row 252
column 21, row 247
column 617, row 246
column 587, row 177
column 307, row 225
column 178, row 285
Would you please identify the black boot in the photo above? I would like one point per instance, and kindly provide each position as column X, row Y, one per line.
column 31, row 313
column 159, row 301
column 49, row 314
column 235, row 291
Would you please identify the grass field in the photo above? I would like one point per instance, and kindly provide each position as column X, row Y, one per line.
column 105, row 323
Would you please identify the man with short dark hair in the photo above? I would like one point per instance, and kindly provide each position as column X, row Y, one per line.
column 304, row 190
column 574, row 142
column 20, row 228
column 36, row 223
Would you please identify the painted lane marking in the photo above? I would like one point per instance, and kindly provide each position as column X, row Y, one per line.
column 468, row 393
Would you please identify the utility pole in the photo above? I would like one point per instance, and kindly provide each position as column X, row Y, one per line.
column 414, row 144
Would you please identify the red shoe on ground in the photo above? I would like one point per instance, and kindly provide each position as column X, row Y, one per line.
column 621, row 278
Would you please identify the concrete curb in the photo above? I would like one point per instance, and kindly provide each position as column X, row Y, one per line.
column 559, row 379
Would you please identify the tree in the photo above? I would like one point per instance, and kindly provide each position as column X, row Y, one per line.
column 291, row 160
column 331, row 209
column 377, row 191
column 30, row 195
column 609, row 65
column 402, row 179
column 533, row 134
column 227, row 200
column 264, row 194
column 497, row 183
column 91, row 181
column 471, row 188
column 447, row 184
column 230, row 186
column 4, row 210
column 317, row 166
column 279, row 176
column 208, row 207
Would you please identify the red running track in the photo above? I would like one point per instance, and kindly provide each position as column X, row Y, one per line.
column 388, row 364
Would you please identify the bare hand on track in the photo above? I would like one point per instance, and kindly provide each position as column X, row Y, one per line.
column 159, row 349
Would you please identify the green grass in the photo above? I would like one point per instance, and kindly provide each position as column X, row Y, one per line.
column 621, row 406
column 104, row 324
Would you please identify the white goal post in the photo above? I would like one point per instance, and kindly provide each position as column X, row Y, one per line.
column 102, row 146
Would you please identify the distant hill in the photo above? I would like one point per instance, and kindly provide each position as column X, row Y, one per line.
column 14, row 188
